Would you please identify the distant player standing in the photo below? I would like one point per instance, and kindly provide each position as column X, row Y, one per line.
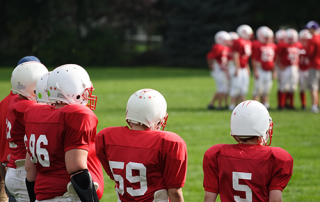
column 289, row 63
column 313, row 52
column 263, row 56
column 147, row 164
column 239, row 74
column 23, row 81
column 280, row 41
column 217, row 60
column 59, row 139
column 304, row 36
column 247, row 171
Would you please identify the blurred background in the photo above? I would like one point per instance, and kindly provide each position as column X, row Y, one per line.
column 134, row 32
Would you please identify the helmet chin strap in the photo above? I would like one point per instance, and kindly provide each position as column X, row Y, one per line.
column 27, row 95
column 64, row 94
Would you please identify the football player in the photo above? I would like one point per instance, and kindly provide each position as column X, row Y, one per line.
column 304, row 36
column 249, row 170
column 263, row 56
column 289, row 63
column 60, row 140
column 280, row 40
column 239, row 74
column 313, row 52
column 23, row 81
column 217, row 60
column 147, row 164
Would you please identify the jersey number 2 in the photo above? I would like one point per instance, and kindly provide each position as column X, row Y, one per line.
column 142, row 177
column 239, row 187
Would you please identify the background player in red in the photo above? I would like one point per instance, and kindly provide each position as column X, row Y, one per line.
column 239, row 74
column 304, row 36
column 247, row 171
column 59, row 140
column 263, row 56
column 280, row 37
column 217, row 60
column 313, row 52
column 147, row 164
column 288, row 61
column 4, row 146
column 23, row 81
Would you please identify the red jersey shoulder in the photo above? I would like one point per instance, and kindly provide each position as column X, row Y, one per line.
column 20, row 104
column 281, row 154
column 79, row 116
column 169, row 136
column 215, row 150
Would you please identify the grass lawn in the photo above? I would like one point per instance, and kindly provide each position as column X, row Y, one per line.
column 188, row 91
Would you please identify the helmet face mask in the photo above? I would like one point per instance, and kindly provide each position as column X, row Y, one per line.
column 147, row 107
column 251, row 118
column 92, row 99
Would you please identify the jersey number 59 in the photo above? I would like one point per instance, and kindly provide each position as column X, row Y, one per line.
column 142, row 177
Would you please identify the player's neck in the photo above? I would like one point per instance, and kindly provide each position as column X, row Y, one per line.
column 137, row 127
column 60, row 105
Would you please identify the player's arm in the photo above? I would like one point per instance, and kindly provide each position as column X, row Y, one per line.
column 275, row 196
column 175, row 195
column 210, row 196
column 209, row 62
column 236, row 58
column 2, row 171
column 76, row 164
column 31, row 177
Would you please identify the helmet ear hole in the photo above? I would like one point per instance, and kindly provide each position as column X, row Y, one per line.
column 78, row 97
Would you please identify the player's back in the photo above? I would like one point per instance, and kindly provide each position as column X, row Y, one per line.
column 142, row 162
column 50, row 133
column 3, row 128
column 247, row 171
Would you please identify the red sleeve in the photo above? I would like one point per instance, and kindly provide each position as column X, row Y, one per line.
column 282, row 170
column 101, row 152
column 310, row 48
column 175, row 162
column 80, row 128
column 210, row 170
column 255, row 50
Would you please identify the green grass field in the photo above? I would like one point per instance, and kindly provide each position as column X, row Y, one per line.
column 188, row 92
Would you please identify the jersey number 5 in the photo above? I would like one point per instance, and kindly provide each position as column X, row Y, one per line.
column 142, row 177
column 38, row 153
column 238, row 187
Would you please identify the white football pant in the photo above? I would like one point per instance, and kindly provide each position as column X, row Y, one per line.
column 303, row 80
column 222, row 84
column 289, row 79
column 263, row 85
column 240, row 83
column 16, row 183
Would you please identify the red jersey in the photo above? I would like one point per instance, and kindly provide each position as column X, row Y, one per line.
column 50, row 133
column 246, row 171
column 142, row 162
column 313, row 51
column 243, row 47
column 264, row 54
column 219, row 53
column 4, row 145
column 289, row 53
column 16, row 128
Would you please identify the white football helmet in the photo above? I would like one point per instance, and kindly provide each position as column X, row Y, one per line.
column 41, row 89
column 280, row 35
column 147, row 107
column 264, row 34
column 233, row 35
column 251, row 118
column 222, row 37
column 291, row 36
column 245, row 32
column 304, row 34
column 24, row 78
column 71, row 84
